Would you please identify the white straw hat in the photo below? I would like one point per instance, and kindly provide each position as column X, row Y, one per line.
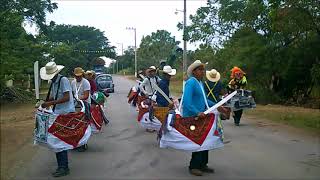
column 213, row 75
column 151, row 68
column 169, row 70
column 193, row 66
column 50, row 70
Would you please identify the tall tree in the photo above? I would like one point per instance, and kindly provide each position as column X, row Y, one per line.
column 77, row 45
column 18, row 50
column 156, row 47
column 271, row 40
column 126, row 61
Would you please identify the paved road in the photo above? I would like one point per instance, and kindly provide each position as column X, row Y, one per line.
column 125, row 151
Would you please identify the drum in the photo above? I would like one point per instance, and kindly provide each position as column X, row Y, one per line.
column 61, row 132
column 190, row 134
column 96, row 120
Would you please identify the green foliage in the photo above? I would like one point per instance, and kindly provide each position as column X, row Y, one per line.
column 275, row 42
column 126, row 61
column 33, row 11
column 74, row 46
column 65, row 43
column 158, row 46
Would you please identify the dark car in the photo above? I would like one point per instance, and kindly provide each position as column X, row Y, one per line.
column 105, row 83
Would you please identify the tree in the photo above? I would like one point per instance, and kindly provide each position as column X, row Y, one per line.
column 126, row 61
column 33, row 11
column 18, row 50
column 75, row 46
column 156, row 47
column 271, row 40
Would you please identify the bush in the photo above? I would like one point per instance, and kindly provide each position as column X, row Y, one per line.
column 264, row 95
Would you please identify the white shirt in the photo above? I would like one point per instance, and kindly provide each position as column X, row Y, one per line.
column 65, row 107
column 78, row 89
column 146, row 86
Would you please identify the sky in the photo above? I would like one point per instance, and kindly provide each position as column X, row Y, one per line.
column 113, row 17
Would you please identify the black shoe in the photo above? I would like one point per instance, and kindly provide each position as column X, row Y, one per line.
column 206, row 169
column 82, row 148
column 61, row 172
column 196, row 172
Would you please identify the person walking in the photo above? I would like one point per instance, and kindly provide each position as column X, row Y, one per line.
column 60, row 98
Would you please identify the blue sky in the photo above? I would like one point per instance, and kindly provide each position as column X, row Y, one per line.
column 114, row 16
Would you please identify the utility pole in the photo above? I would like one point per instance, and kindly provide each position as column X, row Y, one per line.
column 184, row 36
column 135, row 49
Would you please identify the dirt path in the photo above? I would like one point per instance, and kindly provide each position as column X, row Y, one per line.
column 17, row 124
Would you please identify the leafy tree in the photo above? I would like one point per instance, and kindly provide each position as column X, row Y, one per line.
column 77, row 45
column 156, row 47
column 18, row 50
column 126, row 61
column 272, row 40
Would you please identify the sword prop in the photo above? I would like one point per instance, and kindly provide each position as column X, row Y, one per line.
column 220, row 103
column 156, row 87
column 36, row 79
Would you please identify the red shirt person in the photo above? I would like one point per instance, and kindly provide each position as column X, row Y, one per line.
column 91, row 76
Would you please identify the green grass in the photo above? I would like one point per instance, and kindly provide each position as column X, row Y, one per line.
column 299, row 117
column 176, row 88
column 176, row 85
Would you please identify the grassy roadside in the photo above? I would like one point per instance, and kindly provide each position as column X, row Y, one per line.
column 304, row 118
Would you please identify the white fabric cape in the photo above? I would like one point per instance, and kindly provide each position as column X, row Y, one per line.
column 174, row 139
column 146, row 123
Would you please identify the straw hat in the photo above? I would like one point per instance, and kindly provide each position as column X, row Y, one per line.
column 169, row 70
column 193, row 66
column 151, row 68
column 50, row 70
column 213, row 75
column 90, row 74
column 78, row 71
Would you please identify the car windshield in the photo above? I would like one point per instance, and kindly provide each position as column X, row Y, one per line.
column 104, row 78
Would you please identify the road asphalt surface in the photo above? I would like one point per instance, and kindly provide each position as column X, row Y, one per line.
column 124, row 150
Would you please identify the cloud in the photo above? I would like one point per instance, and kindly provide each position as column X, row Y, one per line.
column 108, row 61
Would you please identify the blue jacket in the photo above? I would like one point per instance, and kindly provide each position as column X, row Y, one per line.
column 193, row 102
column 164, row 86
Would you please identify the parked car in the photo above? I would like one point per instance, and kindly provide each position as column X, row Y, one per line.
column 105, row 83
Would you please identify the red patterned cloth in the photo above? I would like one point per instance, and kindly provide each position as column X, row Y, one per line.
column 96, row 116
column 142, row 110
column 132, row 96
column 202, row 127
column 69, row 128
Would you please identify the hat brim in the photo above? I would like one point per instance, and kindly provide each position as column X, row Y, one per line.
column 79, row 74
column 148, row 70
column 217, row 78
column 45, row 76
column 172, row 73
column 192, row 67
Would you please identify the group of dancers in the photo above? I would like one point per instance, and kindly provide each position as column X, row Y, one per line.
column 189, row 123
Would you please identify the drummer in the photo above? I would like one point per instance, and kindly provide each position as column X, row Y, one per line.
column 81, row 91
column 194, row 103
column 60, row 98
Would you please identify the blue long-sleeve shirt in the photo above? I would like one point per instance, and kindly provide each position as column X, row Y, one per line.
column 164, row 86
column 193, row 101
